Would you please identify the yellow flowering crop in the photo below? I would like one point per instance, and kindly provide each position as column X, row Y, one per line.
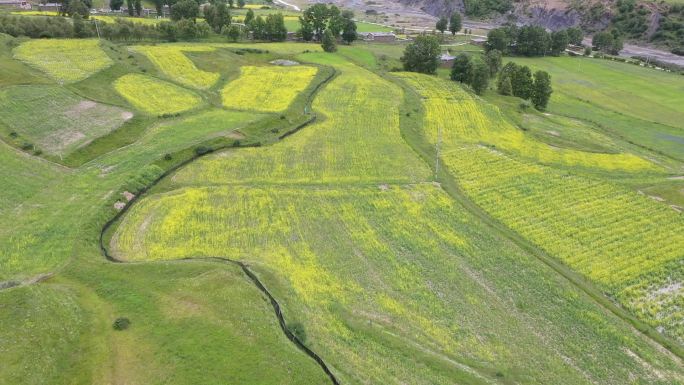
column 64, row 59
column 155, row 96
column 462, row 118
column 613, row 235
column 171, row 60
column 352, row 143
column 267, row 89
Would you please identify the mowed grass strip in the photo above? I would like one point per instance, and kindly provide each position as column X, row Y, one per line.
column 459, row 118
column 171, row 60
column 155, row 96
column 65, row 122
column 613, row 235
column 267, row 88
column 63, row 59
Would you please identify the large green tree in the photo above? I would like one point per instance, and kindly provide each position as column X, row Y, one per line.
column 575, row 36
column 478, row 75
column 349, row 31
column 185, row 9
column 328, row 42
column 541, row 91
column 455, row 23
column 249, row 16
column 504, row 83
column 493, row 60
column 442, row 24
column 559, row 42
column 461, row 68
column 275, row 27
column 498, row 39
column 217, row 16
column 522, row 82
column 116, row 4
column 422, row 55
column 317, row 17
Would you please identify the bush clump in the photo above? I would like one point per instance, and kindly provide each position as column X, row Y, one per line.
column 121, row 323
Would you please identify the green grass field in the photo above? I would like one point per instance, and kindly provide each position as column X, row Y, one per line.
column 641, row 106
column 390, row 271
column 66, row 122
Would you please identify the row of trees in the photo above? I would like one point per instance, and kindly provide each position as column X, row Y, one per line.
column 453, row 24
column 122, row 29
column 476, row 71
column 531, row 40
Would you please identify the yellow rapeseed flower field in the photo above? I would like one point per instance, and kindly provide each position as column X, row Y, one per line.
column 340, row 147
column 389, row 274
column 464, row 119
column 155, row 96
column 63, row 59
column 172, row 61
column 613, row 235
column 268, row 88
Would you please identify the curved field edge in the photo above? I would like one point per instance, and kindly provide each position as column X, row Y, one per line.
column 66, row 330
column 324, row 75
column 439, row 175
column 416, row 139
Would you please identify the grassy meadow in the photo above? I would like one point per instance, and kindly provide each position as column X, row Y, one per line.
column 321, row 178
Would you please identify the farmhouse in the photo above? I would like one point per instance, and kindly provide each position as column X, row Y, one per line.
column 446, row 60
column 21, row 4
column 379, row 36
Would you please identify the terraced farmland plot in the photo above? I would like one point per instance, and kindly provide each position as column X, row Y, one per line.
column 64, row 60
column 155, row 96
column 397, row 284
column 172, row 61
column 616, row 237
column 393, row 281
column 463, row 119
column 267, row 88
column 65, row 122
column 342, row 146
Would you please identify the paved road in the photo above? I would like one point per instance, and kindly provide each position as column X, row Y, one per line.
column 630, row 50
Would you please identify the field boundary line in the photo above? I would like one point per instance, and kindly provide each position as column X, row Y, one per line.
column 245, row 268
column 449, row 184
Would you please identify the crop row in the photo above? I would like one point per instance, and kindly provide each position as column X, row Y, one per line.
column 612, row 235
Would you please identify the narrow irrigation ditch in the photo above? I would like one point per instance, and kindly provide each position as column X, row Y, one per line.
column 277, row 309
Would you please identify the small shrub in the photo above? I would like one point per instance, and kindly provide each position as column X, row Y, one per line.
column 201, row 150
column 13, row 135
column 37, row 152
column 236, row 143
column 121, row 323
column 26, row 146
column 298, row 330
column 168, row 157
